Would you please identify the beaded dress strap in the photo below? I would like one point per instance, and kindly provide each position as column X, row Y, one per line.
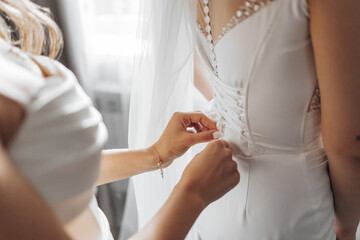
column 246, row 10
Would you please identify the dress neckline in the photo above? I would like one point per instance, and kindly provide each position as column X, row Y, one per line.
column 246, row 10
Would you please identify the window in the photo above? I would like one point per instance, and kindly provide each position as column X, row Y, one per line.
column 109, row 30
column 110, row 26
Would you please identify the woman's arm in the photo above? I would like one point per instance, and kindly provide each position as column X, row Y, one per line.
column 23, row 213
column 118, row 164
column 174, row 219
column 335, row 30
column 174, row 142
column 201, row 78
column 210, row 175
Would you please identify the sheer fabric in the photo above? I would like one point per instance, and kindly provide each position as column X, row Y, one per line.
column 162, row 85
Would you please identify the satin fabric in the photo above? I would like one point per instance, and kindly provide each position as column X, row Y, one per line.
column 162, row 85
column 265, row 82
column 58, row 145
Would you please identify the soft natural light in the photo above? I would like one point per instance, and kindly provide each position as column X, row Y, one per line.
column 110, row 26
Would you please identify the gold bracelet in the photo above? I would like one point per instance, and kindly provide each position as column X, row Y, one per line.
column 159, row 163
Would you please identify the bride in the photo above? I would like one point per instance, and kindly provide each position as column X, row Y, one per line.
column 267, row 62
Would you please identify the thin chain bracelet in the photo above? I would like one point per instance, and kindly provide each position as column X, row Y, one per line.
column 159, row 163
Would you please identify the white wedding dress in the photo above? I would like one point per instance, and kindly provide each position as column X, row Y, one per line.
column 267, row 105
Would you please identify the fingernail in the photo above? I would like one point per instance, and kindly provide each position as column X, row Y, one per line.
column 216, row 135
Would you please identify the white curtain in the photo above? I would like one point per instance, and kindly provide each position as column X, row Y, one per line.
column 72, row 24
column 104, row 71
column 163, row 84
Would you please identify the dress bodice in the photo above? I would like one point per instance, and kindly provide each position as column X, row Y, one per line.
column 267, row 106
column 263, row 73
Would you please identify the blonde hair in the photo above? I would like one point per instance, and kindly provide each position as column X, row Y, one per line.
column 30, row 27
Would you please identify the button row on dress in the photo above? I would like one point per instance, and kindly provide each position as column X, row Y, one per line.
column 209, row 37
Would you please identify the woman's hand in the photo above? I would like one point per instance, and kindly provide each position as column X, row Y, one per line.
column 211, row 174
column 174, row 142
column 178, row 138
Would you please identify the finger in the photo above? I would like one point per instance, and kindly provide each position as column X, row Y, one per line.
column 228, row 154
column 202, row 128
column 236, row 177
column 199, row 118
column 205, row 129
column 202, row 137
column 226, row 144
column 234, row 166
column 228, row 166
column 232, row 179
column 198, row 127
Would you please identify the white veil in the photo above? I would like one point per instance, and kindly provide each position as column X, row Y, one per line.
column 163, row 84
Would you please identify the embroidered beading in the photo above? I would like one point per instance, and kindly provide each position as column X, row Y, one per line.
column 315, row 103
column 249, row 8
column 246, row 10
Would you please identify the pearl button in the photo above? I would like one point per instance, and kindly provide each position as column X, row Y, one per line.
column 208, row 28
column 238, row 13
column 206, row 9
column 207, row 19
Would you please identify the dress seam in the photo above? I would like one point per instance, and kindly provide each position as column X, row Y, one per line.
column 310, row 189
column 252, row 72
column 304, row 118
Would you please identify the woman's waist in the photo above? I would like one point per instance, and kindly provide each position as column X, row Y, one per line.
column 245, row 148
column 247, row 136
column 308, row 169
